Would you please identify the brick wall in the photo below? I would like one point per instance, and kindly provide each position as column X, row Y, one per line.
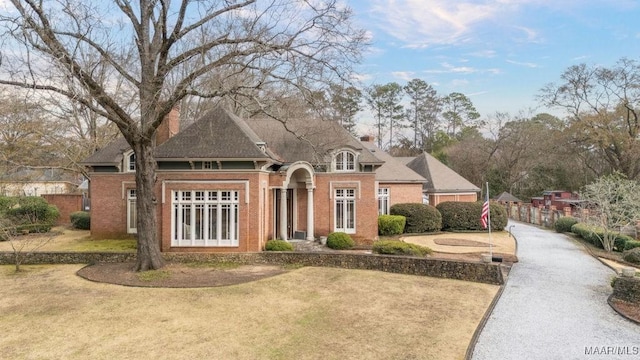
column 435, row 199
column 403, row 193
column 66, row 204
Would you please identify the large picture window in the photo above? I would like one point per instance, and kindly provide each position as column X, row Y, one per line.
column 383, row 201
column 345, row 210
column 204, row 218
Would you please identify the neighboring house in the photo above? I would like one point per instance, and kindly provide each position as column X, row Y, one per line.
column 560, row 199
column 396, row 183
column 443, row 184
column 230, row 184
column 36, row 182
column 506, row 198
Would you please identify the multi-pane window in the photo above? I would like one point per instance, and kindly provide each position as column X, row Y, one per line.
column 383, row 201
column 204, row 218
column 345, row 210
column 207, row 165
column 132, row 217
column 131, row 162
column 345, row 161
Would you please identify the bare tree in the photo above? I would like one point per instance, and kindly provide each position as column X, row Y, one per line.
column 603, row 105
column 615, row 202
column 22, row 245
column 163, row 52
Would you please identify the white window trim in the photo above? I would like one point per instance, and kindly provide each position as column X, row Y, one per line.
column 131, row 208
column 345, row 162
column 345, row 199
column 179, row 203
column 130, row 166
column 384, row 195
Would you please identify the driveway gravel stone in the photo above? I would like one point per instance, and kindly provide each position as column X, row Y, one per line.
column 554, row 305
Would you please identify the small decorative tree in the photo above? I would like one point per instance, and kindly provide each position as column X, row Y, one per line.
column 614, row 202
column 21, row 246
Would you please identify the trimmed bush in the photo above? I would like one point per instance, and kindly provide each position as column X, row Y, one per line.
column 391, row 247
column 391, row 224
column 420, row 218
column 81, row 220
column 565, row 223
column 278, row 245
column 34, row 228
column 340, row 241
column 632, row 256
column 33, row 209
column 465, row 216
column 7, row 202
column 621, row 241
column 631, row 244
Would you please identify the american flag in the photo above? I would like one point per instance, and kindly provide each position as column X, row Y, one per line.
column 484, row 217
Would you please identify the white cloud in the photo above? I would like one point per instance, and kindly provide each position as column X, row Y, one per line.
column 525, row 64
column 404, row 75
column 421, row 23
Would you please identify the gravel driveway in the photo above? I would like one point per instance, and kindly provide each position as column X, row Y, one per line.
column 554, row 306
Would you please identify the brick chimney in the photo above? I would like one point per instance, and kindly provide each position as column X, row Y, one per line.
column 367, row 138
column 169, row 126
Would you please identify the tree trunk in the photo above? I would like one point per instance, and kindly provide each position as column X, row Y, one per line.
column 148, row 256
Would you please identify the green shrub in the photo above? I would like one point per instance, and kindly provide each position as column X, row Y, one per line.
column 420, row 218
column 391, row 224
column 278, row 245
column 392, row 247
column 340, row 241
column 465, row 216
column 632, row 256
column 81, row 220
column 7, row 202
column 34, row 228
column 565, row 223
column 631, row 244
column 34, row 210
column 621, row 241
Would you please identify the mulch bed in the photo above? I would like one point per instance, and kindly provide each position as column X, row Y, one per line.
column 459, row 242
column 177, row 275
column 630, row 310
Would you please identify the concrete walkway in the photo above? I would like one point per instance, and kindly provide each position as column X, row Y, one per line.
column 554, row 306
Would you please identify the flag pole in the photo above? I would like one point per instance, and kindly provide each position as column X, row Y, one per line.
column 489, row 223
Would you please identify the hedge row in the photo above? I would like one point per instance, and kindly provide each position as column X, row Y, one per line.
column 593, row 235
column 463, row 216
column 420, row 218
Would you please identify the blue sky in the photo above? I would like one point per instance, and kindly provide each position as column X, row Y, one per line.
column 499, row 53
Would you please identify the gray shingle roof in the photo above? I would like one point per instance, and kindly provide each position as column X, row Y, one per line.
column 110, row 154
column 308, row 140
column 440, row 178
column 216, row 135
column 393, row 169
column 507, row 197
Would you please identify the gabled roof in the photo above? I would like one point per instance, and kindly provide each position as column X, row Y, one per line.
column 308, row 140
column 216, row 135
column 440, row 178
column 507, row 197
column 393, row 170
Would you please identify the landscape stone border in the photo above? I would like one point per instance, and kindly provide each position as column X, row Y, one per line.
column 459, row 270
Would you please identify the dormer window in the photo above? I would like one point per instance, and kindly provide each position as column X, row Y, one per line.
column 345, row 161
column 131, row 162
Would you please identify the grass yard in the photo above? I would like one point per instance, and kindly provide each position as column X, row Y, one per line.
column 47, row 312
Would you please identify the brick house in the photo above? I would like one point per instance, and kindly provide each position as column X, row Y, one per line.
column 227, row 184
column 442, row 183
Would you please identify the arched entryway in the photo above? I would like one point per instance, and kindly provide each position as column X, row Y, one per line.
column 294, row 203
